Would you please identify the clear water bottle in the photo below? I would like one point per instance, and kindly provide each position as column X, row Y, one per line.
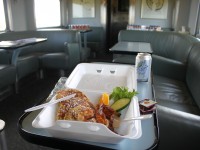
column 143, row 66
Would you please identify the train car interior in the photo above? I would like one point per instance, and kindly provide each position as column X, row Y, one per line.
column 151, row 47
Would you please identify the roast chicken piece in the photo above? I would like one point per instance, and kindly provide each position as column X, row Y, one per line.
column 78, row 108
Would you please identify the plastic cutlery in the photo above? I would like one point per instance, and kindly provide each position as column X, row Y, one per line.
column 139, row 117
column 49, row 103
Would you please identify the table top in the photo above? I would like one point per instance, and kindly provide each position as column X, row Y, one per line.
column 20, row 43
column 16, row 46
column 82, row 30
column 148, row 140
column 131, row 47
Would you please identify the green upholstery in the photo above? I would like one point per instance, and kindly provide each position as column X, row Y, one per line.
column 168, row 67
column 170, row 50
column 55, row 53
column 176, row 81
column 174, row 94
column 175, row 65
column 96, row 40
column 165, row 44
column 7, row 75
column 27, row 65
column 4, row 57
column 74, row 54
column 193, row 73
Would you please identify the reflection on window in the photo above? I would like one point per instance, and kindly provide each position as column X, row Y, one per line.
column 47, row 13
column 2, row 17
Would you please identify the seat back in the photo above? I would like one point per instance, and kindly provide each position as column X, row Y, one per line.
column 193, row 73
column 55, row 39
column 170, row 45
column 170, row 50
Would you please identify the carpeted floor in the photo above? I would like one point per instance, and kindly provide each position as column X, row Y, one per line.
column 13, row 107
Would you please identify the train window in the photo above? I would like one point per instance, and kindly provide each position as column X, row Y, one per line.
column 47, row 13
column 2, row 17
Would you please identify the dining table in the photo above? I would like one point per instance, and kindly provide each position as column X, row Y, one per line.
column 148, row 140
column 16, row 46
column 127, row 47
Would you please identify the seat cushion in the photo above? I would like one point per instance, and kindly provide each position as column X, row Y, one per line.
column 174, row 94
column 27, row 65
column 7, row 75
column 55, row 61
column 5, row 56
column 177, row 130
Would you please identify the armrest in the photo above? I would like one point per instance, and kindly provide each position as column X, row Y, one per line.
column 5, row 56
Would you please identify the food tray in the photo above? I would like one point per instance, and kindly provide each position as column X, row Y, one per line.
column 87, row 131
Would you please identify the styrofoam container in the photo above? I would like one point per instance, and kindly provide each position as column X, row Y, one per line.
column 101, row 77
column 88, row 131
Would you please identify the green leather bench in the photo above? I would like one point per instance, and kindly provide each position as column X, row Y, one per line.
column 62, row 51
column 176, row 80
column 96, row 41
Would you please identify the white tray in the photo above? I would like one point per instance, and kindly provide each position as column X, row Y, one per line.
column 87, row 131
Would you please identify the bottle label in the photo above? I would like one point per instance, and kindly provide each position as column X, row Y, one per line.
column 143, row 70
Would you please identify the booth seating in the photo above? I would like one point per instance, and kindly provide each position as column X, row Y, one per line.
column 7, row 79
column 176, row 80
column 62, row 51
column 7, row 74
column 96, row 41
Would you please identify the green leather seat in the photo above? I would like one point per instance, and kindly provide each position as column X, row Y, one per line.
column 7, row 75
